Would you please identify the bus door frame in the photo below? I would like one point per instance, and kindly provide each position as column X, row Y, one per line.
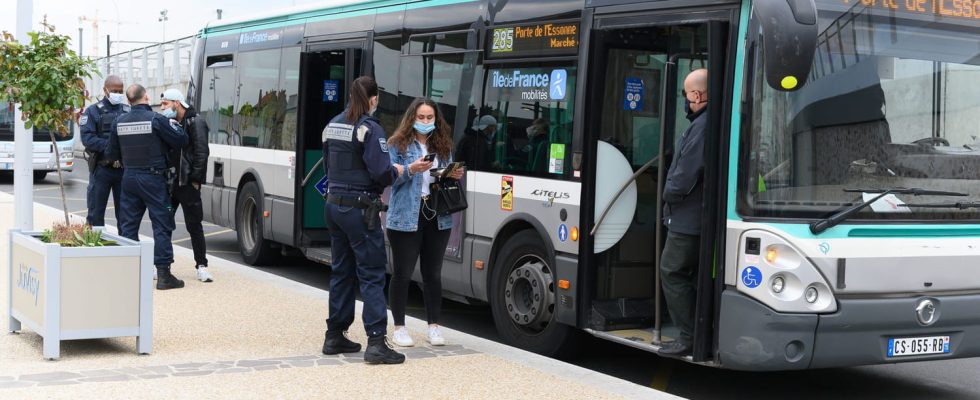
column 361, row 42
column 722, row 21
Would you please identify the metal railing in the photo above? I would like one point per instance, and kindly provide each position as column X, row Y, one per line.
column 157, row 67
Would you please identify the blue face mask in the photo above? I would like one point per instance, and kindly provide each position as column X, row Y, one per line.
column 169, row 113
column 424, row 128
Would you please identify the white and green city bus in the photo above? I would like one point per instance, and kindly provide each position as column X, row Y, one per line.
column 842, row 183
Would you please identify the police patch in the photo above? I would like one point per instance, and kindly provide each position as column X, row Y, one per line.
column 83, row 120
column 384, row 144
column 174, row 124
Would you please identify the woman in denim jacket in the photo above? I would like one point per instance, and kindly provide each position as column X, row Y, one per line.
column 414, row 230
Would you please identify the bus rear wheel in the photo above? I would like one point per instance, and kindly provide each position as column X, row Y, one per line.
column 255, row 249
column 40, row 175
column 522, row 298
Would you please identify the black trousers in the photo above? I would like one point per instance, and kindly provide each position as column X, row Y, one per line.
column 428, row 246
column 678, row 270
column 189, row 199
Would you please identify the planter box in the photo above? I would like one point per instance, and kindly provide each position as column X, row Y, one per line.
column 66, row 293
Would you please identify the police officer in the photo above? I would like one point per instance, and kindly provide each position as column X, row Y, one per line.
column 144, row 138
column 355, row 156
column 191, row 163
column 105, row 169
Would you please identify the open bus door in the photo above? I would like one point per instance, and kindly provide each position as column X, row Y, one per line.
column 636, row 73
column 328, row 66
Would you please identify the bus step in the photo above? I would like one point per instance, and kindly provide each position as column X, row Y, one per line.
column 638, row 338
column 319, row 254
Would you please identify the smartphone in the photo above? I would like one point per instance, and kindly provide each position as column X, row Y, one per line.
column 429, row 157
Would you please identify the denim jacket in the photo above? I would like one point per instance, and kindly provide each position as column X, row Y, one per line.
column 406, row 193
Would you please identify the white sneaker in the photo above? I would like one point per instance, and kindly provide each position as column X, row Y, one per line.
column 154, row 275
column 203, row 275
column 402, row 338
column 435, row 336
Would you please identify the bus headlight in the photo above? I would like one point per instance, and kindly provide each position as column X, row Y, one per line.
column 778, row 284
column 811, row 295
column 66, row 156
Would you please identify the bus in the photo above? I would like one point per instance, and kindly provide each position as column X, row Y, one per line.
column 44, row 160
column 841, row 215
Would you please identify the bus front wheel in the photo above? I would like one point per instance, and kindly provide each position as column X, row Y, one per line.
column 255, row 249
column 522, row 298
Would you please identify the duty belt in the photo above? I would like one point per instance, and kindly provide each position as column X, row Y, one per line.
column 110, row 164
column 349, row 201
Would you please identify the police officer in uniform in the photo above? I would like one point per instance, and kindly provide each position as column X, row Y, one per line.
column 105, row 168
column 358, row 168
column 145, row 138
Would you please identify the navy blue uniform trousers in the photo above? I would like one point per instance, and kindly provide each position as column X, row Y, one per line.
column 358, row 256
column 103, row 180
column 142, row 191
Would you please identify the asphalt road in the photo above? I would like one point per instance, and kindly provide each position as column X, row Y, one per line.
column 953, row 379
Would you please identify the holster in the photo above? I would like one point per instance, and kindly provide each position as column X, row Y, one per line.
column 372, row 211
column 91, row 159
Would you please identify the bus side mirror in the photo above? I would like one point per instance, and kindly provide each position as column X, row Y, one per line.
column 789, row 40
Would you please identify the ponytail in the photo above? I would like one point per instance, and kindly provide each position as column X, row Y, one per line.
column 361, row 92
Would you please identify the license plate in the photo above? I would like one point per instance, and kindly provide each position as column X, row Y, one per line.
column 898, row 347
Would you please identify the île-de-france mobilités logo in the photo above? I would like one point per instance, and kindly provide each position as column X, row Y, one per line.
column 559, row 79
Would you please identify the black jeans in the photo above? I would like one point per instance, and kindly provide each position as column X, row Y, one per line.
column 190, row 200
column 428, row 245
column 678, row 268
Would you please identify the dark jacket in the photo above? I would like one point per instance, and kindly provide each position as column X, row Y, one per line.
column 684, row 190
column 96, row 125
column 192, row 159
column 146, row 139
column 355, row 155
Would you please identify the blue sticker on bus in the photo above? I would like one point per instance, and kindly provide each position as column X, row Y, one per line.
column 562, row 232
column 559, row 78
column 751, row 277
column 633, row 94
column 331, row 91
column 321, row 186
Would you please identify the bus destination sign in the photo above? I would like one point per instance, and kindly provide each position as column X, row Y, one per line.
column 548, row 38
column 938, row 8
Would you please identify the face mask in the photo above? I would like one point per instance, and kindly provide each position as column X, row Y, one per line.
column 424, row 128
column 169, row 113
column 531, row 132
column 687, row 107
column 116, row 98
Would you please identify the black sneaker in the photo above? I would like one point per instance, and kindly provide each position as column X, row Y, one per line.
column 380, row 352
column 337, row 342
column 166, row 280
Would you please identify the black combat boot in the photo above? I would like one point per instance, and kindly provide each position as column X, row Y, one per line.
column 379, row 352
column 166, row 280
column 337, row 342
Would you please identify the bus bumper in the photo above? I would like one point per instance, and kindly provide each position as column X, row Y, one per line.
column 754, row 337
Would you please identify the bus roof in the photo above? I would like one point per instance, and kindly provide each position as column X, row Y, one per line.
column 298, row 12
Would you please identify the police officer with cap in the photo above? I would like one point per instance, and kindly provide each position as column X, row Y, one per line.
column 144, row 138
column 105, row 168
column 358, row 168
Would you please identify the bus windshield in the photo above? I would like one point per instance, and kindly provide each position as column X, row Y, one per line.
column 892, row 100
column 7, row 123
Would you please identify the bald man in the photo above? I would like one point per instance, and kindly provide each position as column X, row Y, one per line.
column 105, row 169
column 682, row 195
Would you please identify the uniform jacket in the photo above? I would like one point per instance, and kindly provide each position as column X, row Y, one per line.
column 371, row 142
column 192, row 159
column 147, row 150
column 406, row 193
column 95, row 131
column 684, row 189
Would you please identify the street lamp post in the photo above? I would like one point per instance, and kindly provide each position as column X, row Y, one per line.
column 163, row 18
column 23, row 140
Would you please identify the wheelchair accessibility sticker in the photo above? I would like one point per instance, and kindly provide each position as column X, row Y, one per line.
column 751, row 277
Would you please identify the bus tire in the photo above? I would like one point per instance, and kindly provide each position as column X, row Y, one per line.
column 255, row 249
column 522, row 298
column 40, row 175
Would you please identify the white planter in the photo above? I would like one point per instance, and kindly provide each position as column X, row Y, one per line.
column 66, row 293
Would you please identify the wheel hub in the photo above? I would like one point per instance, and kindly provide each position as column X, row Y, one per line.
column 529, row 294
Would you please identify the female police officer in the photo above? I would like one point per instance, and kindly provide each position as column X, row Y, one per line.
column 355, row 157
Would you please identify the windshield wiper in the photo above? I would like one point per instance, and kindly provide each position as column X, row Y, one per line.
column 846, row 213
column 962, row 205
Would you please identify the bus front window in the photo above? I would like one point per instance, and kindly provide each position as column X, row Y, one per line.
column 891, row 101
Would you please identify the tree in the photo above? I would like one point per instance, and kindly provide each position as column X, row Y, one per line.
column 45, row 77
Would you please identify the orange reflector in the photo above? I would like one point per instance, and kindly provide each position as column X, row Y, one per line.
column 68, row 163
column 771, row 255
column 265, row 214
column 478, row 264
column 574, row 234
column 563, row 284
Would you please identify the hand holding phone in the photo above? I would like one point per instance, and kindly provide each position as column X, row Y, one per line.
column 429, row 157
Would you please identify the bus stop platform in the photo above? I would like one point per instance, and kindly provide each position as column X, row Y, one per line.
column 252, row 334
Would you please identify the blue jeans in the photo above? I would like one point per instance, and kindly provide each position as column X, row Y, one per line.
column 358, row 257
column 144, row 191
column 102, row 180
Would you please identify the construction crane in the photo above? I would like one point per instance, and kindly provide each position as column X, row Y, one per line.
column 95, row 28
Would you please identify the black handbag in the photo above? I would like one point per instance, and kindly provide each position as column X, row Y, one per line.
column 449, row 196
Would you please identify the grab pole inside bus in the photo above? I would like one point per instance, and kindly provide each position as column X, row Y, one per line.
column 310, row 174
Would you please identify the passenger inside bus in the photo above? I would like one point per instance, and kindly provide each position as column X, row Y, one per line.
column 536, row 149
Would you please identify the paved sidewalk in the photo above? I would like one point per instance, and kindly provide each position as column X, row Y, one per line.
column 251, row 334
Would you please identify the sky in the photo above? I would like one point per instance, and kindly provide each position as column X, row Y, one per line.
column 138, row 21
